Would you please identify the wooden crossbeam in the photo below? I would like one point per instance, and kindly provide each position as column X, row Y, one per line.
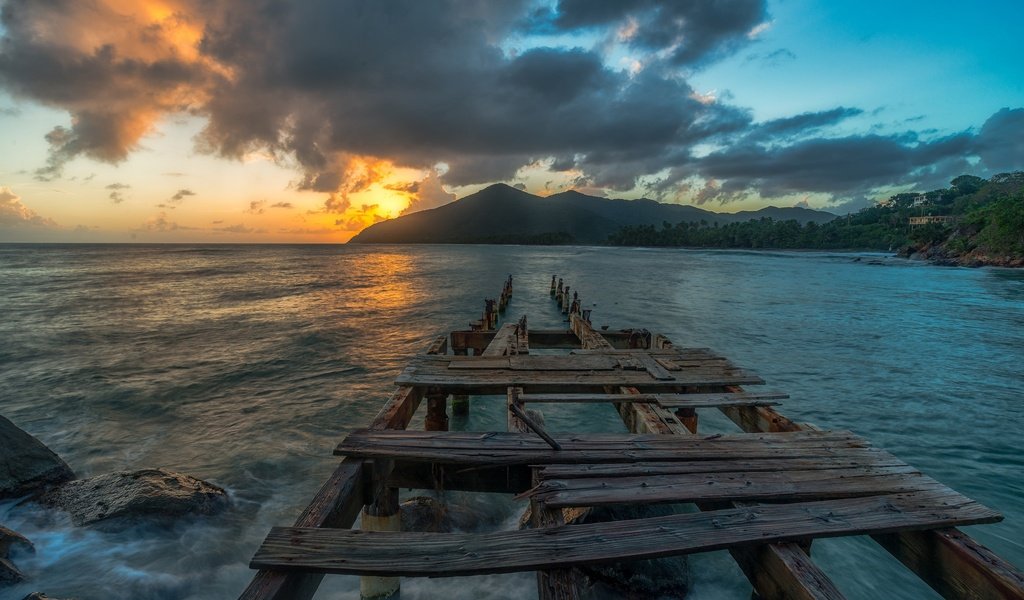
column 418, row 554
column 735, row 486
column 496, row 381
column 493, row 449
column 666, row 400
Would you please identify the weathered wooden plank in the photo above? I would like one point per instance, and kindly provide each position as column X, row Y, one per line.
column 502, row 342
column 533, row 363
column 507, row 449
column 784, row 486
column 666, row 400
column 496, row 381
column 725, row 443
column 851, row 458
column 440, row 555
column 654, row 367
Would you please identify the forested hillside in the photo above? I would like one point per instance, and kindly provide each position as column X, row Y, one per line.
column 987, row 226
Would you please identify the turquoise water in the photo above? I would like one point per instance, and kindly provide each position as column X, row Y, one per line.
column 245, row 365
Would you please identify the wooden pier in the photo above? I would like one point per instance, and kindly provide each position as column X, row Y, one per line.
column 763, row 494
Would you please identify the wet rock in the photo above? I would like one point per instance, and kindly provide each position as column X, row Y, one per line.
column 9, row 573
column 654, row 579
column 132, row 494
column 38, row 596
column 11, row 540
column 26, row 464
column 423, row 513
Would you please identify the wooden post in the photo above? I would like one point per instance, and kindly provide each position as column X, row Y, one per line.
column 437, row 410
column 460, row 402
column 382, row 515
column 552, row 285
column 565, row 300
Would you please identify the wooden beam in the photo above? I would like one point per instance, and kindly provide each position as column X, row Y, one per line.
column 418, row 554
column 503, row 341
column 666, row 400
column 955, row 565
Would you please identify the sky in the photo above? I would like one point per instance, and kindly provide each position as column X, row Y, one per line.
column 308, row 120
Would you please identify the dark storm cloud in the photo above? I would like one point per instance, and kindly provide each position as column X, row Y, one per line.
column 1000, row 143
column 692, row 30
column 429, row 84
column 333, row 86
column 804, row 123
column 839, row 166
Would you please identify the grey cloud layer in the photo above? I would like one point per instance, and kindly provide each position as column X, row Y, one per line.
column 425, row 82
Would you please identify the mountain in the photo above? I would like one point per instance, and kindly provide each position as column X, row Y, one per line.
column 503, row 214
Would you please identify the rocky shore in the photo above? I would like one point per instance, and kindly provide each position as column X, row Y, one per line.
column 32, row 473
column 941, row 254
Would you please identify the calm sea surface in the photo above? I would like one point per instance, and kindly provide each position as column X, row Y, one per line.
column 245, row 365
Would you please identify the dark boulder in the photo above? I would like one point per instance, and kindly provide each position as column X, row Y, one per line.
column 26, row 464
column 131, row 494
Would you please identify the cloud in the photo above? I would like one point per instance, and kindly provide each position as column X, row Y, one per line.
column 343, row 90
column 117, row 195
column 116, row 67
column 773, row 58
column 15, row 214
column 160, row 223
column 288, row 205
column 1000, row 143
column 239, row 228
column 181, row 194
column 687, row 32
column 256, row 207
column 427, row 194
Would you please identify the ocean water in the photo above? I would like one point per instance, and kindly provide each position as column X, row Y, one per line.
column 245, row 365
